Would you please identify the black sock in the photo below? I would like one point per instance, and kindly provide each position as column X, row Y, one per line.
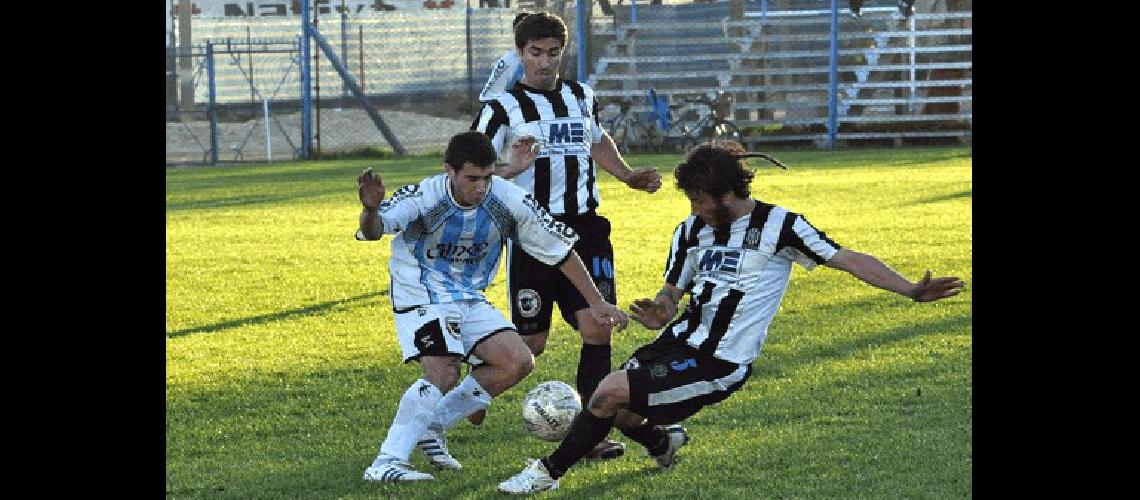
column 585, row 432
column 593, row 366
column 652, row 437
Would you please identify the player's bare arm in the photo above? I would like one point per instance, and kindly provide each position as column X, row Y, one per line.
column 605, row 154
column 654, row 313
column 603, row 312
column 523, row 153
column 370, row 188
column 876, row 273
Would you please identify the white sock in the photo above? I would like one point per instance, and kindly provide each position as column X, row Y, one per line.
column 465, row 399
column 416, row 411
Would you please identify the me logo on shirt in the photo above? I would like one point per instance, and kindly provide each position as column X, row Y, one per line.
column 727, row 261
column 565, row 136
column 562, row 133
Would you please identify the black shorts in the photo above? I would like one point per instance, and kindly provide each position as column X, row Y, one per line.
column 670, row 380
column 535, row 287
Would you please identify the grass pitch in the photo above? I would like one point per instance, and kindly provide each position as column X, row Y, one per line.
column 283, row 371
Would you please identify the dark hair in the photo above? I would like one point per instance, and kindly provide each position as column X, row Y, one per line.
column 471, row 146
column 540, row 25
column 518, row 19
column 717, row 168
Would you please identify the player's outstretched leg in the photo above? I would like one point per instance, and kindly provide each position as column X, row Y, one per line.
column 677, row 438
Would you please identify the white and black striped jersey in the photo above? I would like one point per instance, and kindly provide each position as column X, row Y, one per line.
column 564, row 121
column 445, row 252
column 737, row 277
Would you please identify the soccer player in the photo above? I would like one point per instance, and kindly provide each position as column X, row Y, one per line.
column 449, row 231
column 507, row 70
column 560, row 118
column 733, row 255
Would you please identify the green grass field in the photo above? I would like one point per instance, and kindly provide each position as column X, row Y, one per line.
column 283, row 371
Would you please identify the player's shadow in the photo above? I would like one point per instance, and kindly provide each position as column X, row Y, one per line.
column 238, row 201
column 814, row 353
column 277, row 316
column 969, row 193
column 310, row 181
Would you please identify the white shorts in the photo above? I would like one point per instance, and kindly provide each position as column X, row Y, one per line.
column 452, row 329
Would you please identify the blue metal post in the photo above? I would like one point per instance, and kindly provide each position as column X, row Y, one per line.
column 633, row 12
column 582, row 45
column 763, row 10
column 470, row 70
column 213, row 108
column 306, row 96
column 343, row 42
column 833, row 77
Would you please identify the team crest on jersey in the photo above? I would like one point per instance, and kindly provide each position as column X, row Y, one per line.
column 453, row 326
column 529, row 302
column 752, row 237
column 583, row 107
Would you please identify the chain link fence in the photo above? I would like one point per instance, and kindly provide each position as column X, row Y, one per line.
column 421, row 64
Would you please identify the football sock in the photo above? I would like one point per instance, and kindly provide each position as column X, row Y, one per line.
column 593, row 366
column 652, row 437
column 586, row 431
column 465, row 399
column 416, row 411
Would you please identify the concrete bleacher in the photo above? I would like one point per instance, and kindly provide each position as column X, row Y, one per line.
column 897, row 77
column 679, row 48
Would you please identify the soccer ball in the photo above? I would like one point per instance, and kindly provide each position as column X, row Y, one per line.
column 549, row 408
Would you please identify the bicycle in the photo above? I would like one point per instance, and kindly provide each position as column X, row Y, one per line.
column 624, row 127
column 693, row 126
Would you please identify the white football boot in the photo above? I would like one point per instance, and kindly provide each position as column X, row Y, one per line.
column 395, row 470
column 434, row 445
column 533, row 479
column 677, row 438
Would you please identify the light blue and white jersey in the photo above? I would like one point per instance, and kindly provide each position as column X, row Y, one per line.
column 506, row 71
column 443, row 252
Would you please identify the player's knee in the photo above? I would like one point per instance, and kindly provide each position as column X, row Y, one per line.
column 522, row 365
column 610, row 396
column 536, row 343
column 594, row 332
column 444, row 375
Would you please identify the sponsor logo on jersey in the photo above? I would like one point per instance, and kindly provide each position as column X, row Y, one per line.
column 720, row 261
column 554, row 226
column 453, row 252
column 565, row 136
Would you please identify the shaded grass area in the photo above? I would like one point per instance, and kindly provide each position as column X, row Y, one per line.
column 283, row 370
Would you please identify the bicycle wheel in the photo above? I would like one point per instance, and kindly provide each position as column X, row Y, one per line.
column 620, row 134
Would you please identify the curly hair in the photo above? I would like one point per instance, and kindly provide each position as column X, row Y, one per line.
column 540, row 25
column 718, row 167
column 470, row 146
